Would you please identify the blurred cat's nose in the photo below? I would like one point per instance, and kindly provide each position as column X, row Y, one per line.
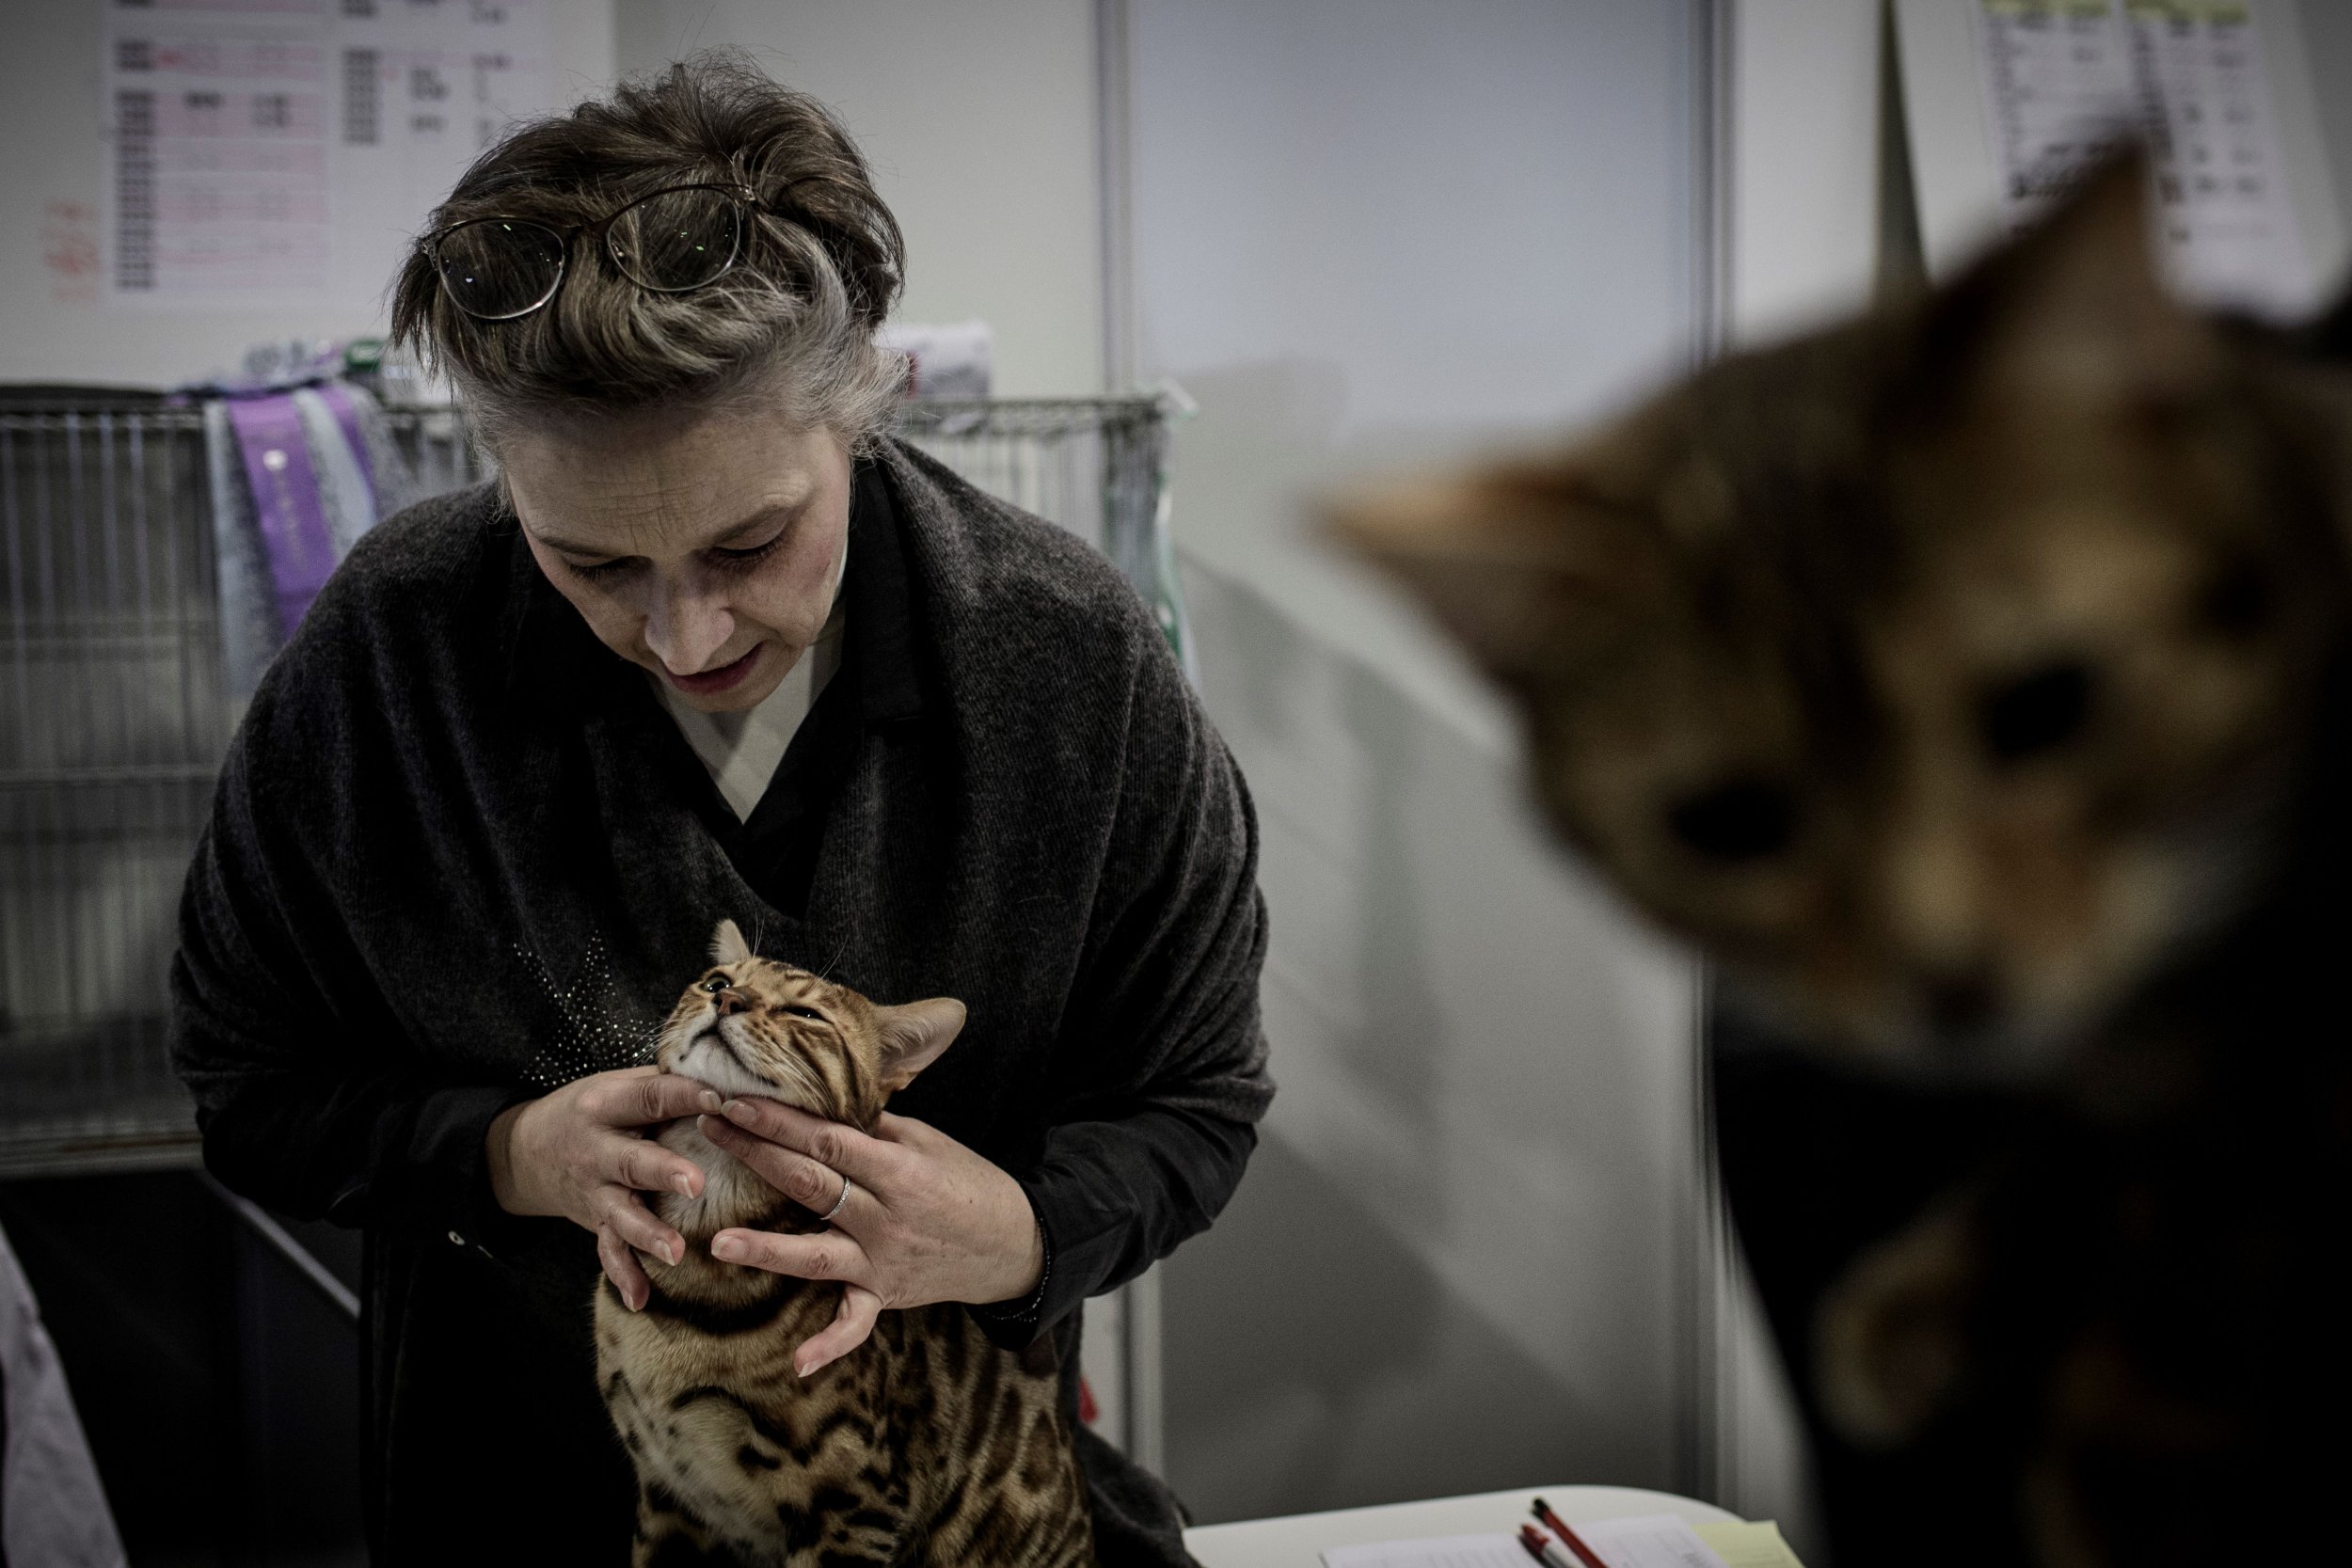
column 732, row 1000
column 1964, row 1001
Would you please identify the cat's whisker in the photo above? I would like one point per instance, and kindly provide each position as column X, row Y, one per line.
column 840, row 947
column 812, row 1088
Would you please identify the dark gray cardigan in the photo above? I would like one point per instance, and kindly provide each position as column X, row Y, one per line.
column 459, row 853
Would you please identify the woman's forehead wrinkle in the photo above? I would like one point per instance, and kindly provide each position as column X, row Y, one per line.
column 667, row 496
column 623, row 520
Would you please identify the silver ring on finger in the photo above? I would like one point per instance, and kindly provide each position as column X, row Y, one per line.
column 826, row 1218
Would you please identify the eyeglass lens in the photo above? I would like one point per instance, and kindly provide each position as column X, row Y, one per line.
column 676, row 240
column 497, row 267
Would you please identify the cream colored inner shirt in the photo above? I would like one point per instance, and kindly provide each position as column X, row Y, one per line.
column 741, row 750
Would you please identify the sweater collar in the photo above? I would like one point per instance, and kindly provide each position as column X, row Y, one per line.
column 551, row 651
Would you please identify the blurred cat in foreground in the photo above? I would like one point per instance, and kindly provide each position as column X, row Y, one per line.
column 1965, row 682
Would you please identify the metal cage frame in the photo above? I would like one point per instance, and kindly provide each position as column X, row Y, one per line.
column 114, row 717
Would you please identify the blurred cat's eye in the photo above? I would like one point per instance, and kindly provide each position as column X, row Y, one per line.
column 1737, row 822
column 2036, row 713
column 716, row 984
column 2239, row 600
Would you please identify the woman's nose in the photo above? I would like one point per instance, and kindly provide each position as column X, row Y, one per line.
column 685, row 629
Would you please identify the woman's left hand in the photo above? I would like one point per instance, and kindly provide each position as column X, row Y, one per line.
column 927, row 1219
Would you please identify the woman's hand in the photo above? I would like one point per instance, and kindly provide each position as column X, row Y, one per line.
column 575, row 1153
column 927, row 1219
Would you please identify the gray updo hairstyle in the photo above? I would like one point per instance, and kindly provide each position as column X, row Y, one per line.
column 792, row 324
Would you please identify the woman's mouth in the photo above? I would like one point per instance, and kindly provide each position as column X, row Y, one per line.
column 710, row 683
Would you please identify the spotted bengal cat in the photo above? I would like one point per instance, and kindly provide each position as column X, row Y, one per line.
column 1972, row 683
column 928, row 1445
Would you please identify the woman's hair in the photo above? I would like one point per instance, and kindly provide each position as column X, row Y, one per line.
column 791, row 324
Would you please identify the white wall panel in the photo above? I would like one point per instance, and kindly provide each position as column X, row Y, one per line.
column 979, row 121
column 1804, row 160
column 1365, row 234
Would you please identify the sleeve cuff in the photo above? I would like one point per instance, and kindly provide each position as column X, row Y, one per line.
column 1016, row 1325
column 442, row 1186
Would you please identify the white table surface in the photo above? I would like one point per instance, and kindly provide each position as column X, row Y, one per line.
column 1298, row 1541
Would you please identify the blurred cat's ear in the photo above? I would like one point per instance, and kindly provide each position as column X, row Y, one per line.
column 727, row 945
column 912, row 1035
column 2078, row 309
column 1516, row 560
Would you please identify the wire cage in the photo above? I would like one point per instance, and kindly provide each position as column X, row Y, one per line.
column 114, row 716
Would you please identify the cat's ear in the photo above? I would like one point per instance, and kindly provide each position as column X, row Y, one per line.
column 912, row 1035
column 1515, row 560
column 727, row 945
column 2078, row 309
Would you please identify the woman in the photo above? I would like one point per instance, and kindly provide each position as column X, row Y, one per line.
column 713, row 648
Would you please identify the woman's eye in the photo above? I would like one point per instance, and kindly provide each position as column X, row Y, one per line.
column 716, row 984
column 736, row 560
column 600, row 568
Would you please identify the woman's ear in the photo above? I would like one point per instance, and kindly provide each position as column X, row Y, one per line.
column 914, row 1035
column 727, row 945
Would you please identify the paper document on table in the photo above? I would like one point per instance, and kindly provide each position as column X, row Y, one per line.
column 1441, row 1551
column 1746, row 1545
column 1652, row 1541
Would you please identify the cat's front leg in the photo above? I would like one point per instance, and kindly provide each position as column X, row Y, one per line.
column 670, row 1535
column 1891, row 1336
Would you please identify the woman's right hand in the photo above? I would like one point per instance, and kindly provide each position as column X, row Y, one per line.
column 576, row 1152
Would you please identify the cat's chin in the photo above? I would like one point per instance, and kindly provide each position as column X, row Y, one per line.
column 705, row 1058
column 2012, row 1050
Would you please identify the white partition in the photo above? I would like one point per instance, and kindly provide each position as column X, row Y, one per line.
column 1470, row 1250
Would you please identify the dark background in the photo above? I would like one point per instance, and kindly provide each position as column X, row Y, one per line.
column 220, row 1389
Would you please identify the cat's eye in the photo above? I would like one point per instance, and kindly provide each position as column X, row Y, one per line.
column 2239, row 600
column 2037, row 712
column 1737, row 822
column 716, row 984
column 796, row 1010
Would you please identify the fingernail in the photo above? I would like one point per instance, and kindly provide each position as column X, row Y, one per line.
column 636, row 1302
column 709, row 1101
column 737, row 1111
column 808, row 1369
column 684, row 1183
column 726, row 1247
column 669, row 1254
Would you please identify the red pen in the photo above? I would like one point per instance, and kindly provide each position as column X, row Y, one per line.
column 1559, row 1528
column 1538, row 1545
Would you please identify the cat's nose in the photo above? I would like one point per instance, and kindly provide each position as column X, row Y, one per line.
column 732, row 1000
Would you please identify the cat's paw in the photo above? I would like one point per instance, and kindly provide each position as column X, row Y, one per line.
column 1891, row 1336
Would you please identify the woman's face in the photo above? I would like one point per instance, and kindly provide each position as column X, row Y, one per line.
column 705, row 548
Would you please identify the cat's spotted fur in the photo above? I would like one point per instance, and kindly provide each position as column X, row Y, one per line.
column 928, row 1445
column 1969, row 682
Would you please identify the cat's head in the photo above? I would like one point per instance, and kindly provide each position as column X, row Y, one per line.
column 1936, row 675
column 753, row 1025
